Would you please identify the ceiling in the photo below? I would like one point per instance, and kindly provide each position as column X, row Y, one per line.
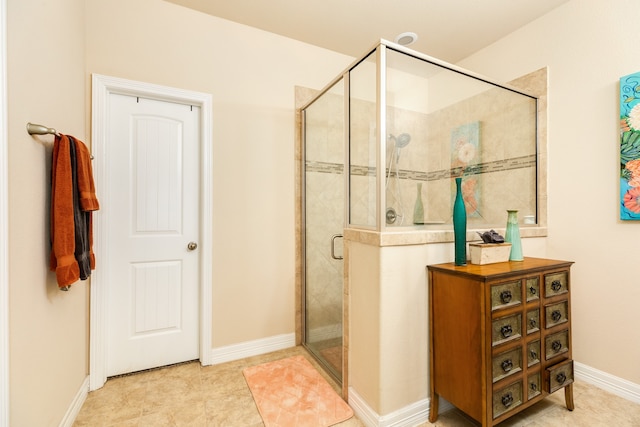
column 447, row 29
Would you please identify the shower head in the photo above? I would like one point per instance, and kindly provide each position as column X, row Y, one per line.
column 401, row 140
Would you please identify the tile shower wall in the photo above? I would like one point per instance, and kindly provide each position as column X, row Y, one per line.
column 324, row 217
column 325, row 190
column 506, row 156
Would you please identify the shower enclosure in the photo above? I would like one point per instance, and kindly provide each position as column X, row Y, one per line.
column 391, row 131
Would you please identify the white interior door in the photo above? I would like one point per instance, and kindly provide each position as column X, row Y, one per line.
column 153, row 229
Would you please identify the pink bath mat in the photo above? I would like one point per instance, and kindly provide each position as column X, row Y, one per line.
column 291, row 392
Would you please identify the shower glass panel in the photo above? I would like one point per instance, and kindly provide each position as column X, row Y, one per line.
column 406, row 149
column 436, row 122
column 363, row 137
column 324, row 217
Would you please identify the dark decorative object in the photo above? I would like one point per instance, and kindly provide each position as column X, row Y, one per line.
column 460, row 226
column 491, row 236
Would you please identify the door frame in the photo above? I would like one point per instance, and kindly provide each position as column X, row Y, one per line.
column 4, row 225
column 102, row 88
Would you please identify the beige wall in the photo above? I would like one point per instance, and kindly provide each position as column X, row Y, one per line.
column 251, row 75
column 388, row 329
column 53, row 49
column 587, row 45
column 48, row 328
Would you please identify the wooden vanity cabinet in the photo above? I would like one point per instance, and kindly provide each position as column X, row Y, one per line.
column 500, row 336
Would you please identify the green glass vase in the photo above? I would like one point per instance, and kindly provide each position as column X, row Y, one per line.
column 418, row 207
column 459, row 226
column 512, row 236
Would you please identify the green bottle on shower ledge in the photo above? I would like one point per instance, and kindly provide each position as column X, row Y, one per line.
column 512, row 236
column 459, row 226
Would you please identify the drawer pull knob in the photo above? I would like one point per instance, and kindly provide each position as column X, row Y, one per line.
column 507, row 365
column 506, row 331
column 556, row 315
column 532, row 290
column 533, row 322
column 505, row 296
column 556, row 285
column 533, row 354
column 533, row 386
column 561, row 378
column 507, row 400
column 556, row 345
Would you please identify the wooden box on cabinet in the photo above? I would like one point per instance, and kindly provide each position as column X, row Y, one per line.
column 500, row 336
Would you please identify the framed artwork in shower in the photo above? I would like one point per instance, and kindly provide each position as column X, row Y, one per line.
column 630, row 147
column 465, row 154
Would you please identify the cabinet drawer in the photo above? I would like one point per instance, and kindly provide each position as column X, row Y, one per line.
column 556, row 284
column 533, row 321
column 559, row 376
column 507, row 399
column 556, row 344
column 534, row 385
column 533, row 353
column 507, row 363
column 533, row 289
column 506, row 329
column 556, row 314
column 505, row 295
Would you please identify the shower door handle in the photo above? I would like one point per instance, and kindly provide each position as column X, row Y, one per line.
column 333, row 246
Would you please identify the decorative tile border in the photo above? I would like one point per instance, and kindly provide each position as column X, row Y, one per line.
column 477, row 169
column 324, row 167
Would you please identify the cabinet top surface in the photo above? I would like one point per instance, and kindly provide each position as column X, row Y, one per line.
column 501, row 268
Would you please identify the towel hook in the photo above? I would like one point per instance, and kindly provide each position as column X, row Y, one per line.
column 35, row 129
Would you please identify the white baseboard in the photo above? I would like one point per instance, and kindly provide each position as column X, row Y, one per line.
column 607, row 382
column 252, row 348
column 363, row 411
column 76, row 404
column 411, row 415
column 418, row 412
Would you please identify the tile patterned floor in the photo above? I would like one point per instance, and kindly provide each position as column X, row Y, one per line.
column 213, row 396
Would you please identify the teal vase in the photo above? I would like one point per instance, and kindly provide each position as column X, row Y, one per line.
column 513, row 236
column 459, row 226
column 418, row 208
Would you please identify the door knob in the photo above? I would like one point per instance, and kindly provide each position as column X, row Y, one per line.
column 192, row 246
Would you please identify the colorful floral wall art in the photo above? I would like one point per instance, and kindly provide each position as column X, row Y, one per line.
column 465, row 154
column 630, row 147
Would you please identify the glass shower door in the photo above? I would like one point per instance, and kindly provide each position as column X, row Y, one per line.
column 324, row 216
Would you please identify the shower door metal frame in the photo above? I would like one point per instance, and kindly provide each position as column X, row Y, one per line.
column 343, row 380
column 381, row 119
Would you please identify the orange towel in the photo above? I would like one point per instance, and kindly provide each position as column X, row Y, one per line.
column 62, row 260
column 87, row 190
column 86, row 187
column 63, row 241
